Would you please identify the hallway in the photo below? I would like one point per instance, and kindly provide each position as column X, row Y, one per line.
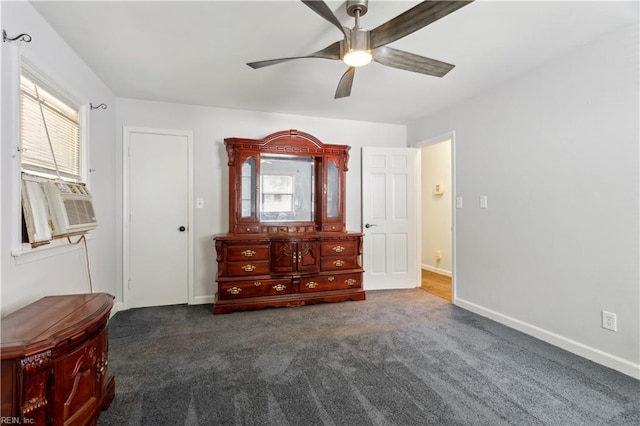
column 439, row 285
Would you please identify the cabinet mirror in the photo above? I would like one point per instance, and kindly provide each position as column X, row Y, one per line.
column 286, row 188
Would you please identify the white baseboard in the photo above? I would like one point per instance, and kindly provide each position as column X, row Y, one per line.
column 202, row 300
column 197, row 300
column 596, row 355
column 117, row 307
column 437, row 270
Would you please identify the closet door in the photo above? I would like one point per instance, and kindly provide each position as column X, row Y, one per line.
column 158, row 238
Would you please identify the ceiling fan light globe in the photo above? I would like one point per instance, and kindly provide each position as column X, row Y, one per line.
column 357, row 58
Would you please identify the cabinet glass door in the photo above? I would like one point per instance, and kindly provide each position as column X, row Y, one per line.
column 333, row 190
column 248, row 188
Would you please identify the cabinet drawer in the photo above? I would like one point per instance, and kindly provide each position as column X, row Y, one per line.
column 247, row 253
column 248, row 229
column 338, row 263
column 330, row 282
column 336, row 248
column 249, row 267
column 255, row 288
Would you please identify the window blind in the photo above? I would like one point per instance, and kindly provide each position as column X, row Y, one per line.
column 64, row 131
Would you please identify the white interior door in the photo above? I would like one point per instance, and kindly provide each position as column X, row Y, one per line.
column 158, row 237
column 389, row 216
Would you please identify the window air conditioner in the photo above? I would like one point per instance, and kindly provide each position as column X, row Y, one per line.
column 71, row 207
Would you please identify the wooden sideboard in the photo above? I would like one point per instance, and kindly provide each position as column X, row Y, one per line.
column 287, row 243
column 55, row 361
column 287, row 270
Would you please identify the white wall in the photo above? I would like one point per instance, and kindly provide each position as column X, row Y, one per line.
column 210, row 127
column 436, row 209
column 28, row 278
column 557, row 153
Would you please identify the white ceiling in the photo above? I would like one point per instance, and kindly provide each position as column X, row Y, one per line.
column 196, row 52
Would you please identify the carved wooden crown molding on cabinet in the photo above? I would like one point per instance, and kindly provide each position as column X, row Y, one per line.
column 287, row 243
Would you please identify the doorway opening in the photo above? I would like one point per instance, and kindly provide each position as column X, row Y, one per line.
column 437, row 195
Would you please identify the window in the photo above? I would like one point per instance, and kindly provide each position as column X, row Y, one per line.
column 59, row 131
column 50, row 148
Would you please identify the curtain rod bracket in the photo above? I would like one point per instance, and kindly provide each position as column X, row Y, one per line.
column 22, row 37
column 103, row 106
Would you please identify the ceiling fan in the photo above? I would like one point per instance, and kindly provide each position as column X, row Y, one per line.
column 360, row 46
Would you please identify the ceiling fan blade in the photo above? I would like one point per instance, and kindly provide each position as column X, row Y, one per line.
column 412, row 20
column 321, row 8
column 344, row 86
column 410, row 62
column 330, row 52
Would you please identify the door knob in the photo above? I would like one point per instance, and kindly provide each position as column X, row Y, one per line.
column 182, row 229
column 369, row 225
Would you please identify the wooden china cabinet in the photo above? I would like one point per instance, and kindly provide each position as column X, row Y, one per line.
column 287, row 243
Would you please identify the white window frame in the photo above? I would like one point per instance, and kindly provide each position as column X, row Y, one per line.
column 64, row 96
column 24, row 252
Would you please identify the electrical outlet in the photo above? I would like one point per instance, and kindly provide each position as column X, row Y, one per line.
column 609, row 321
column 438, row 255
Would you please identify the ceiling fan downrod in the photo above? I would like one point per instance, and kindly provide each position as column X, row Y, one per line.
column 357, row 51
column 357, row 8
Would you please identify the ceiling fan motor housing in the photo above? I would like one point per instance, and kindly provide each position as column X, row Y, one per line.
column 358, row 40
column 354, row 5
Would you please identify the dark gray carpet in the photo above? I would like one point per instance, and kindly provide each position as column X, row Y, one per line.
column 402, row 357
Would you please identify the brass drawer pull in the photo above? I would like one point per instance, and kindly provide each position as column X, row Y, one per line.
column 350, row 282
column 279, row 287
column 234, row 290
column 338, row 249
column 248, row 253
column 101, row 367
column 338, row 262
column 257, row 283
column 248, row 268
column 331, row 278
column 311, row 284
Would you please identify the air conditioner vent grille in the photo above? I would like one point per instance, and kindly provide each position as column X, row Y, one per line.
column 79, row 212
